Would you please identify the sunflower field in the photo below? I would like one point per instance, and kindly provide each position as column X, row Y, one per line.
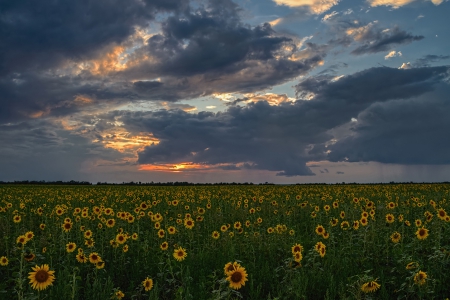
column 225, row 242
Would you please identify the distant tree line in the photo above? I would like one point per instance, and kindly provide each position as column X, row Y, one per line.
column 185, row 183
column 43, row 182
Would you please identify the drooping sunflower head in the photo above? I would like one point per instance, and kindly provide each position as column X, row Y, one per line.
column 412, row 265
column 41, row 277
column 370, row 287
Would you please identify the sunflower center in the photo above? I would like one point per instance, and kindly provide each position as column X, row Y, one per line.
column 236, row 277
column 41, row 276
column 180, row 253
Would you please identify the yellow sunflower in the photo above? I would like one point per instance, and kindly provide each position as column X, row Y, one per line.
column 320, row 230
column 94, row 258
column 215, row 234
column 412, row 265
column 41, row 277
column 164, row 246
column 4, row 261
column 70, row 247
column 230, row 267
column 148, row 284
column 422, row 233
column 296, row 248
column 179, row 254
column 81, row 258
column 396, row 237
column 420, row 278
column 189, row 223
column 370, row 287
column 237, row 278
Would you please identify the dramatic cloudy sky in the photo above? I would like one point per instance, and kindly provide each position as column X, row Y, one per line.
column 283, row 91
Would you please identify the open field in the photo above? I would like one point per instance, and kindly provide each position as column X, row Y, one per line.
column 289, row 242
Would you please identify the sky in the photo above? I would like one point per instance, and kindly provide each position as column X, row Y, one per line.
column 280, row 91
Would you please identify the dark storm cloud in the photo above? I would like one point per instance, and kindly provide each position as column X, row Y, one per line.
column 428, row 59
column 40, row 35
column 40, row 150
column 413, row 131
column 376, row 40
column 277, row 138
column 27, row 94
column 210, row 50
column 199, row 52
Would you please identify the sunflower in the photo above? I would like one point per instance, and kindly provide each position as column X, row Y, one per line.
column 164, row 246
column 334, row 222
column 412, row 265
column 189, row 223
column 4, row 261
column 119, row 294
column 29, row 256
column 396, row 237
column 179, row 254
column 230, row 267
column 94, row 258
column 370, row 287
column 41, row 278
column 356, row 225
column 100, row 264
column 296, row 248
column 237, row 278
column 125, row 248
column 237, row 225
column 215, row 235
column 342, row 214
column 172, row 230
column 420, row 278
column 422, row 233
column 390, row 205
column 110, row 223
column 363, row 221
column 42, row 226
column 134, row 236
column 161, row 233
column 70, row 247
column 418, row 223
column 81, row 258
column 320, row 230
column 345, row 225
column 298, row 256
column 29, row 235
column 148, row 284
column 89, row 243
column 318, row 246
column 87, row 234
column 390, row 218
column 121, row 238
column 17, row 219
column 21, row 240
column 441, row 214
column 270, row 230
